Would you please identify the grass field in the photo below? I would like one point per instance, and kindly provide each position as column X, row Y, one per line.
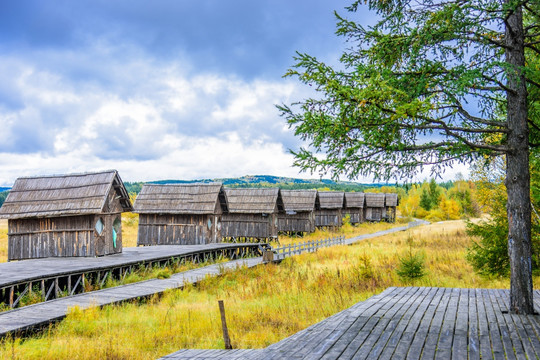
column 263, row 305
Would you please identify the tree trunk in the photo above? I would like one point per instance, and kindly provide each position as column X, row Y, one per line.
column 517, row 170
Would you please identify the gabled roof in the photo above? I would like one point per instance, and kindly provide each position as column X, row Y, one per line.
column 253, row 201
column 354, row 199
column 331, row 199
column 179, row 199
column 374, row 199
column 63, row 195
column 392, row 200
column 300, row 200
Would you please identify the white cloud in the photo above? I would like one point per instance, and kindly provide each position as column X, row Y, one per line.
column 169, row 125
column 149, row 119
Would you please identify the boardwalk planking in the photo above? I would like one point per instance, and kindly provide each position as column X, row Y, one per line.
column 408, row 322
column 34, row 316
column 26, row 270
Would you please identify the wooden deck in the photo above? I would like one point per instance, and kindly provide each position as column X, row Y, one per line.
column 33, row 317
column 409, row 323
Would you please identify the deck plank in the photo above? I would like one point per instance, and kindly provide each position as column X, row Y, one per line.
column 496, row 340
column 428, row 348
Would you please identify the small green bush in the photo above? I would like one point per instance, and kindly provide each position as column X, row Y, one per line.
column 411, row 266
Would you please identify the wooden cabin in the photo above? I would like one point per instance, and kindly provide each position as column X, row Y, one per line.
column 253, row 214
column 65, row 215
column 185, row 214
column 299, row 215
column 354, row 206
column 391, row 203
column 375, row 206
column 330, row 213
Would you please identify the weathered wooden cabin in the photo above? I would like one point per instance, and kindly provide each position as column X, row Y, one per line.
column 65, row 215
column 330, row 213
column 299, row 215
column 252, row 215
column 185, row 214
column 391, row 203
column 354, row 206
column 375, row 206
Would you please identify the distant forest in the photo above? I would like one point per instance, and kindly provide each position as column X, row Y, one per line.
column 3, row 196
column 264, row 181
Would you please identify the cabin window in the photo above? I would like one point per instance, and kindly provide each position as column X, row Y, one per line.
column 99, row 226
column 209, row 224
column 117, row 227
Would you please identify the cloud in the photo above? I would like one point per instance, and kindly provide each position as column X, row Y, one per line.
column 248, row 38
column 177, row 89
column 202, row 124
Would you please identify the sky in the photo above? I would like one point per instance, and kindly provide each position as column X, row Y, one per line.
column 168, row 89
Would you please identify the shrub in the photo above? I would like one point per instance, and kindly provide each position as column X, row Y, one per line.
column 489, row 255
column 411, row 266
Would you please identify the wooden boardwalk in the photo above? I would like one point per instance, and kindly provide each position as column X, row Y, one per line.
column 33, row 317
column 25, row 270
column 409, row 323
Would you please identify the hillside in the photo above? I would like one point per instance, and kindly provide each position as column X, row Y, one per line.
column 266, row 181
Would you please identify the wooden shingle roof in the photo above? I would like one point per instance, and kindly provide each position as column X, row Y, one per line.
column 179, row 199
column 374, row 200
column 300, row 200
column 331, row 199
column 354, row 199
column 63, row 195
column 392, row 200
column 253, row 201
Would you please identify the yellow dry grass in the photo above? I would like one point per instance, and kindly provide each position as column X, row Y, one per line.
column 263, row 305
column 3, row 240
column 130, row 226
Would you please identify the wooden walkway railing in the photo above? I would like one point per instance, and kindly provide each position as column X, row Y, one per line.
column 281, row 253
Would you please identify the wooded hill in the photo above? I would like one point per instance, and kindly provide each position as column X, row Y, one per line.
column 257, row 181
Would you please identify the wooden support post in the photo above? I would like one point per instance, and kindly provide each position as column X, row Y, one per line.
column 268, row 256
column 56, row 289
column 69, row 284
column 43, row 290
column 11, row 293
column 226, row 338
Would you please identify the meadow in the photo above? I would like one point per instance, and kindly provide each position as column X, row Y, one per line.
column 263, row 305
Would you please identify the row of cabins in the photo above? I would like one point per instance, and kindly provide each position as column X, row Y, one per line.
column 80, row 214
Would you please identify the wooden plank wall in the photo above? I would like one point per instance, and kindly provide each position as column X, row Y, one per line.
column 178, row 229
column 328, row 217
column 374, row 214
column 299, row 222
column 357, row 215
column 51, row 237
column 249, row 225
